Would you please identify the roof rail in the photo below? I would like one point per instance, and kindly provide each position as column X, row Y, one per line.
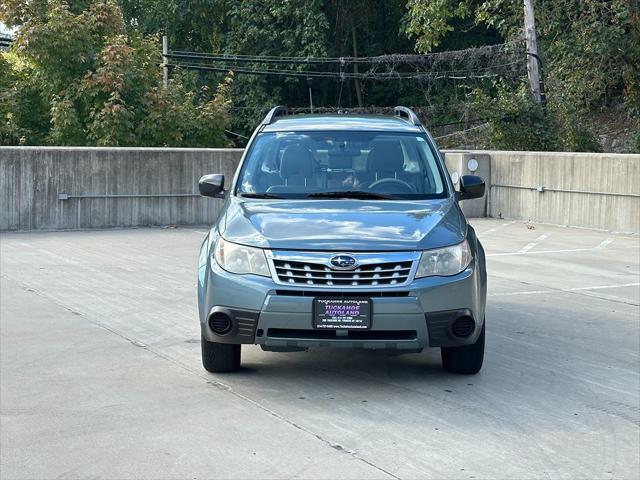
column 407, row 114
column 274, row 113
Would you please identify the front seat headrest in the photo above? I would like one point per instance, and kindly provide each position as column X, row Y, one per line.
column 385, row 156
column 297, row 162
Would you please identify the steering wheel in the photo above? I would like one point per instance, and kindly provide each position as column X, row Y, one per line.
column 400, row 186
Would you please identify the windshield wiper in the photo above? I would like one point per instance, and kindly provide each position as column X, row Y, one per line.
column 260, row 195
column 351, row 194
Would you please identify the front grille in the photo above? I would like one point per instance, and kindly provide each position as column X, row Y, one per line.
column 369, row 275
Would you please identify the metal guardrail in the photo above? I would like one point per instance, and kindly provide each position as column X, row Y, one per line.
column 542, row 189
column 67, row 196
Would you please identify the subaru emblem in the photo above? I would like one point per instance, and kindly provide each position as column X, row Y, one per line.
column 343, row 262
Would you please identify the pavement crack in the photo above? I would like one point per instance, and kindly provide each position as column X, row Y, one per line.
column 44, row 295
column 229, row 389
column 210, row 381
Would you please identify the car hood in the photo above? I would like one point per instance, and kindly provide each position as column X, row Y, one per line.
column 343, row 225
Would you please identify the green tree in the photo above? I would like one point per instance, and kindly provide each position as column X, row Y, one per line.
column 24, row 114
column 516, row 122
column 271, row 27
column 589, row 49
column 100, row 82
column 430, row 20
column 190, row 24
column 179, row 117
column 85, row 71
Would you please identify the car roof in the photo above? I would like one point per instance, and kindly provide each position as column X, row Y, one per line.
column 375, row 123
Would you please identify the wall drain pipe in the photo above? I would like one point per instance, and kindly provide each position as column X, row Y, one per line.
column 67, row 196
column 542, row 189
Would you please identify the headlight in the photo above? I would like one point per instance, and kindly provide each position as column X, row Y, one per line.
column 444, row 261
column 241, row 259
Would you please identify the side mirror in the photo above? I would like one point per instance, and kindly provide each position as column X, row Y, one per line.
column 212, row 185
column 471, row 186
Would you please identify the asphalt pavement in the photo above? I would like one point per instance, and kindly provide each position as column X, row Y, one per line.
column 100, row 373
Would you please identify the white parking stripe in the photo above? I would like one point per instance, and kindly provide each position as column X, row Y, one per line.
column 529, row 246
column 606, row 242
column 555, row 290
column 494, row 229
column 503, row 254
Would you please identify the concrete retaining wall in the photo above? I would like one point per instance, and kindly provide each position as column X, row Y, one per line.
column 583, row 189
column 112, row 187
column 134, row 186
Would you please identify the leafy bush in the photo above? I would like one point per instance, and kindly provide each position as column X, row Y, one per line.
column 24, row 113
column 578, row 138
column 635, row 144
column 177, row 117
column 516, row 122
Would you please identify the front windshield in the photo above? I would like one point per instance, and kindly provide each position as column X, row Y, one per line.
column 365, row 164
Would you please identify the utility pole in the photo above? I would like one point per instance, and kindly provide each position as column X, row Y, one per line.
column 533, row 60
column 165, row 60
column 356, row 80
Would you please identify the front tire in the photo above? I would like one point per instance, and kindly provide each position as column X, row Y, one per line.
column 220, row 357
column 467, row 359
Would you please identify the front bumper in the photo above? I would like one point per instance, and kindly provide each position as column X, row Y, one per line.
column 408, row 318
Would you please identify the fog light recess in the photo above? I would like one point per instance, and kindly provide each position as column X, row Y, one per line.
column 463, row 327
column 220, row 323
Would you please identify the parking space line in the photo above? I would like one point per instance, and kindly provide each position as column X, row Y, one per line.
column 529, row 246
column 555, row 290
column 494, row 229
column 606, row 242
column 567, row 250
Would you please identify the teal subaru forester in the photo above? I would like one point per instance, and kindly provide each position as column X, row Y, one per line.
column 342, row 231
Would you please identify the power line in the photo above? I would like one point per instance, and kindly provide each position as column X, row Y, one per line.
column 348, row 74
column 462, row 132
column 479, row 63
column 462, row 67
column 392, row 75
column 236, row 134
column 380, row 59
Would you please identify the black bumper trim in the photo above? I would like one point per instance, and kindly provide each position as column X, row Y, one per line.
column 391, row 335
column 243, row 330
column 439, row 328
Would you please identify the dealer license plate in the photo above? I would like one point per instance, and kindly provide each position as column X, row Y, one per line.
column 342, row 313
